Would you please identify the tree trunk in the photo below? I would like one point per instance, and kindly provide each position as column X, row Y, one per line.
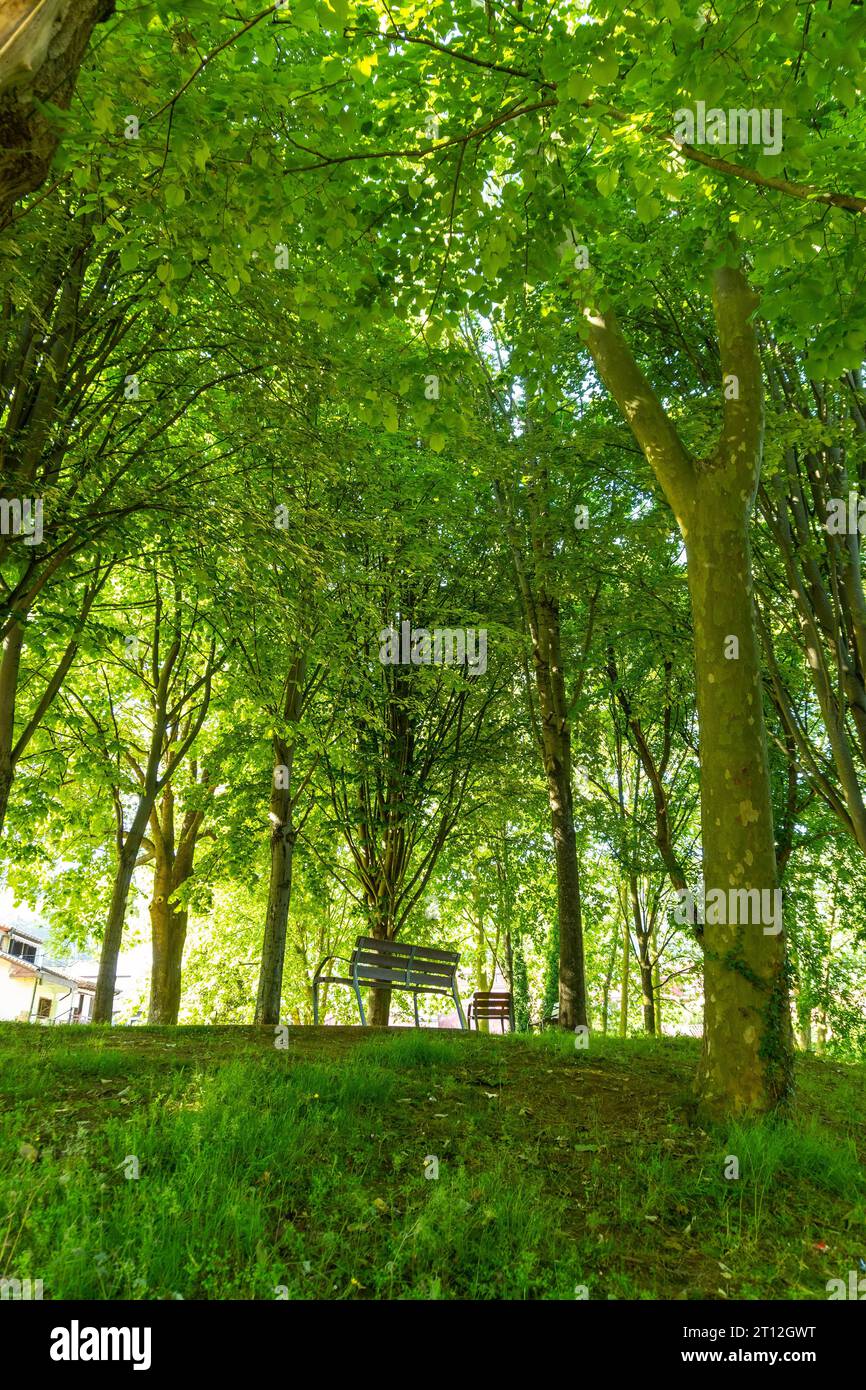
column 746, row 1062
column 6, row 778
column 42, row 46
column 10, row 664
column 541, row 614
column 282, row 852
column 747, row 1054
column 657, row 984
column 378, row 1007
column 572, row 982
column 641, row 932
column 379, row 1000
column 608, row 981
column 520, row 986
column 168, row 929
column 822, row 1023
column 483, row 981
column 174, row 861
column 647, row 996
column 103, row 1003
column 279, row 891
column 556, row 752
column 623, row 980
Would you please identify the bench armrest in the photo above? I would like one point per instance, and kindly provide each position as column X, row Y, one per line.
column 322, row 963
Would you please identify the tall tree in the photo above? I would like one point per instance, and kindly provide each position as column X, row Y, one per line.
column 171, row 672
column 746, row 1064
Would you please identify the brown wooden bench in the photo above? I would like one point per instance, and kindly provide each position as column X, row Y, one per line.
column 492, row 1006
column 397, row 965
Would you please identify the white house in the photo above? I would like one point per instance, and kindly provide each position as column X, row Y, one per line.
column 33, row 990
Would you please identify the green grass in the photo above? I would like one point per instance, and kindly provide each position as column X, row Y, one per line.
column 303, row 1170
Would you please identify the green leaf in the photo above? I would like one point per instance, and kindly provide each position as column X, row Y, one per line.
column 648, row 208
column 604, row 68
column 578, row 87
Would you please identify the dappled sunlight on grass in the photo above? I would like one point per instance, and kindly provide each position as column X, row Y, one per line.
column 408, row 1165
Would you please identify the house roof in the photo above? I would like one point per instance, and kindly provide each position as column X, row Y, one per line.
column 26, row 967
column 25, row 935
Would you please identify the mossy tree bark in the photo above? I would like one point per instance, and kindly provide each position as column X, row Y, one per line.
column 746, row 1062
column 168, row 924
column 284, row 796
column 174, row 861
column 42, row 43
column 379, row 1000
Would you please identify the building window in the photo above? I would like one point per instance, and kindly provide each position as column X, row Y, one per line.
column 43, row 1006
column 22, row 949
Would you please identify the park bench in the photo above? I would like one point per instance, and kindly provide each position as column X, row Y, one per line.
column 396, row 965
column 492, row 1006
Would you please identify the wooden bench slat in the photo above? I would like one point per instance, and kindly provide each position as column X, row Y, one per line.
column 367, row 963
column 492, row 1006
column 403, row 948
column 399, row 979
column 395, row 957
column 431, row 967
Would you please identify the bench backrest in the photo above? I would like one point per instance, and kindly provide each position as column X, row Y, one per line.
column 401, row 963
column 491, row 1005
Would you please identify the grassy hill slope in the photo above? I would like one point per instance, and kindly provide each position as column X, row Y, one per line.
column 308, row 1171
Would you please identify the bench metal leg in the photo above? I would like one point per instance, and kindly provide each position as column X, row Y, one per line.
column 315, row 1001
column 459, row 1007
column 415, row 1002
column 360, row 1006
